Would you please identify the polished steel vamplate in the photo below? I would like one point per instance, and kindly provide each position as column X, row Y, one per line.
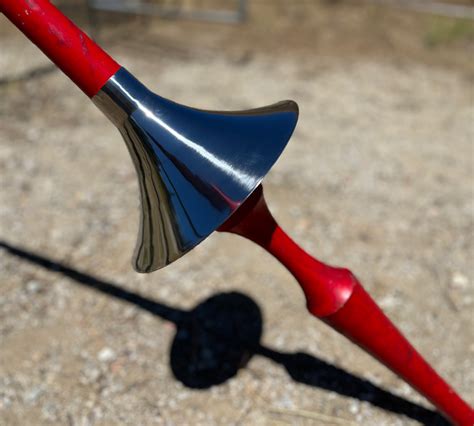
column 194, row 167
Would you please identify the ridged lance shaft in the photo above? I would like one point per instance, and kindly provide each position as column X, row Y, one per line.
column 336, row 296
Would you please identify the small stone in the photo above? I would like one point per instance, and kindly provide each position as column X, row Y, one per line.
column 33, row 286
column 354, row 407
column 389, row 301
column 89, row 375
column 106, row 355
column 32, row 395
column 459, row 280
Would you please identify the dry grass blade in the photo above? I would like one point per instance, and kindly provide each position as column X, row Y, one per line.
column 313, row 415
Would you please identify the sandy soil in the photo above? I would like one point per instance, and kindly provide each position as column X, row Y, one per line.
column 378, row 177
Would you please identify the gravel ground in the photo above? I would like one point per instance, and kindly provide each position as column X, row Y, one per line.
column 378, row 177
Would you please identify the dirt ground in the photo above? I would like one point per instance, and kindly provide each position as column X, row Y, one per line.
column 378, row 177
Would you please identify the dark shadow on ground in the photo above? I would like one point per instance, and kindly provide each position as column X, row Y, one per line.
column 28, row 75
column 219, row 336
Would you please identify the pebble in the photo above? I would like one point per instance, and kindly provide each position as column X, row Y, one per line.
column 106, row 355
column 389, row 301
column 33, row 286
column 459, row 280
column 354, row 407
column 32, row 395
column 89, row 375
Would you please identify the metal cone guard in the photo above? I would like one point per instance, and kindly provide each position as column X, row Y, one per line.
column 194, row 167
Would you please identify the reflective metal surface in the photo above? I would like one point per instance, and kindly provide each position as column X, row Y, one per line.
column 194, row 167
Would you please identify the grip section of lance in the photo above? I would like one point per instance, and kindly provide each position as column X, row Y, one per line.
column 194, row 167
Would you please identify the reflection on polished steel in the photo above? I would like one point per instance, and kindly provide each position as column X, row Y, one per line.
column 195, row 167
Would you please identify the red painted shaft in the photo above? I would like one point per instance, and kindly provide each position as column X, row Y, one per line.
column 335, row 296
column 83, row 61
column 362, row 321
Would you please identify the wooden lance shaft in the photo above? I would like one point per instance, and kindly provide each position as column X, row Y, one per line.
column 82, row 60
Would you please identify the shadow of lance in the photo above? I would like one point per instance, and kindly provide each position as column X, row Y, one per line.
column 221, row 334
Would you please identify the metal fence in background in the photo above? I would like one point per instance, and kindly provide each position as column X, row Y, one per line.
column 441, row 8
column 174, row 9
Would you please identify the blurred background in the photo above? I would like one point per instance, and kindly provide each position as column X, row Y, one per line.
column 378, row 177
